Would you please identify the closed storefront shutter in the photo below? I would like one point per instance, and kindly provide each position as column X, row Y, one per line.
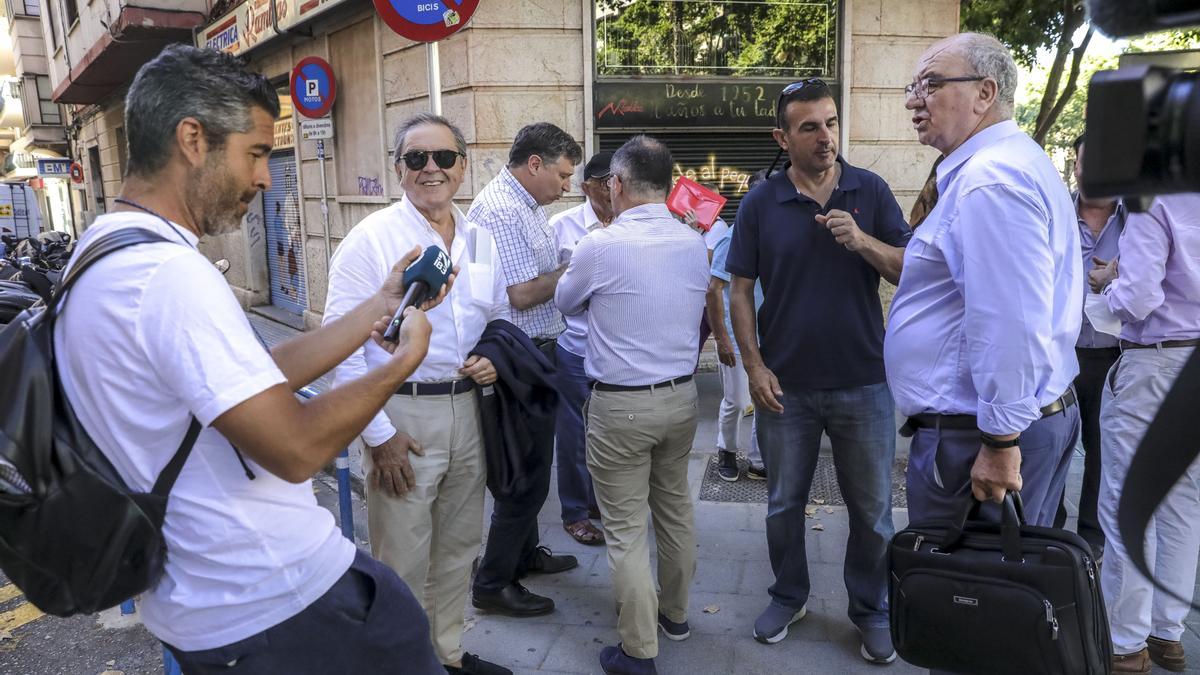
column 725, row 158
column 285, row 246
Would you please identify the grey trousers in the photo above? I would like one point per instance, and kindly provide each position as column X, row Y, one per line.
column 1134, row 391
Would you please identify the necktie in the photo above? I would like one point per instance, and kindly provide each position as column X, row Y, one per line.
column 927, row 199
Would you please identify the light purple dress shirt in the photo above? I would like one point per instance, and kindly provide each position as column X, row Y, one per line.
column 990, row 301
column 1157, row 294
column 1105, row 247
column 642, row 281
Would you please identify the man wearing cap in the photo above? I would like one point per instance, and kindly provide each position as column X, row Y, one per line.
column 574, row 482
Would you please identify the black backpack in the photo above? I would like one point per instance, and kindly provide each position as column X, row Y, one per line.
column 73, row 537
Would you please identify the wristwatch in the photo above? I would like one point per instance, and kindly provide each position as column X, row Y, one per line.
column 997, row 444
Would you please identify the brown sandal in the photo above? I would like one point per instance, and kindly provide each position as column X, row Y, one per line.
column 584, row 532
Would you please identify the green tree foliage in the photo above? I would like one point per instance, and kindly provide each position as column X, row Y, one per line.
column 1070, row 123
column 1028, row 28
column 766, row 38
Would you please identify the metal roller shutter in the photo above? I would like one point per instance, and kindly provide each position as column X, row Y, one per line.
column 285, row 246
column 727, row 158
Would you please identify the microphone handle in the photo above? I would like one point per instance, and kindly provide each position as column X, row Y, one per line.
column 414, row 295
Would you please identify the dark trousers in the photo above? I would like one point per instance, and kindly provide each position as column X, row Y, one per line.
column 1094, row 365
column 940, row 461
column 368, row 622
column 513, row 535
column 575, row 490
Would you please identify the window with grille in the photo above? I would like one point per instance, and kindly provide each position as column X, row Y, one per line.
column 756, row 38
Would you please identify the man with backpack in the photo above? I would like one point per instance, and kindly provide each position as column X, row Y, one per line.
column 257, row 578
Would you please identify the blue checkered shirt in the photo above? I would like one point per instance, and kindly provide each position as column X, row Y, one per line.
column 526, row 244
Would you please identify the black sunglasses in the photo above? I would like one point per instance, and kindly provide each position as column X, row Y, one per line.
column 784, row 93
column 416, row 160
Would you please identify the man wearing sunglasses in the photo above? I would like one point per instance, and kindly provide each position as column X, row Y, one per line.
column 818, row 235
column 425, row 461
column 980, row 348
column 541, row 163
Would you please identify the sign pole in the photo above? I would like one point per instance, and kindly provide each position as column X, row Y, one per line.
column 314, row 88
column 324, row 201
column 428, row 22
column 435, row 78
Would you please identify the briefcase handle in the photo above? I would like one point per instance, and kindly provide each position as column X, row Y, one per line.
column 1012, row 517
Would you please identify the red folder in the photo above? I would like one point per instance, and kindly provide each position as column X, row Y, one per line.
column 689, row 195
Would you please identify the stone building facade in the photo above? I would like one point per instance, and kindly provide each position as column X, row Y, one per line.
column 518, row 62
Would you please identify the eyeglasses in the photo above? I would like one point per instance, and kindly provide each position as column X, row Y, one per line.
column 921, row 88
column 416, row 160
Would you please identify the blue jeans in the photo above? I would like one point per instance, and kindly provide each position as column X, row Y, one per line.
column 861, row 424
column 575, row 490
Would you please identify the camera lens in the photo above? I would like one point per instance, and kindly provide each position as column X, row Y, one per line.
column 1180, row 134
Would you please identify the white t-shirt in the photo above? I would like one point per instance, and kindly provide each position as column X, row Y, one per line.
column 150, row 336
column 363, row 261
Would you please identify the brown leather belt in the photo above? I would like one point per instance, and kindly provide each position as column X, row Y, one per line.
column 600, row 386
column 971, row 422
column 436, row 388
column 1126, row 344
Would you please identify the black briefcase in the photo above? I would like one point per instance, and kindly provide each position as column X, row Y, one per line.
column 982, row 597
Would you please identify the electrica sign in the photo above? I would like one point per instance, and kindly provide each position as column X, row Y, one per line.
column 426, row 20
column 313, row 87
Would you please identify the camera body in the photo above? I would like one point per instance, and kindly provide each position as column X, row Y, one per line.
column 1145, row 116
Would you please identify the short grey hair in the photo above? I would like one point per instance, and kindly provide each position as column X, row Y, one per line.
column 422, row 119
column 211, row 87
column 644, row 166
column 988, row 57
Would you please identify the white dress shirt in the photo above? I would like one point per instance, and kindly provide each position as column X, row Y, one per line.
column 642, row 282
column 365, row 258
column 569, row 227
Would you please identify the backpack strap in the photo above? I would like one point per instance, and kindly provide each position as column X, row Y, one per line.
column 109, row 243
column 166, row 479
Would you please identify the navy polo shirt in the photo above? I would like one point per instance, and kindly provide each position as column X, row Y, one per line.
column 821, row 323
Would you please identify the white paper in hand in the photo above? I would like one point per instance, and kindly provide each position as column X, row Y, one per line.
column 1095, row 306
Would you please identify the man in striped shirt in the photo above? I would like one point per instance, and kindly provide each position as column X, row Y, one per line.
column 540, row 165
column 642, row 282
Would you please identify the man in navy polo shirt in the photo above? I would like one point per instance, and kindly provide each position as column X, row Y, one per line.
column 818, row 235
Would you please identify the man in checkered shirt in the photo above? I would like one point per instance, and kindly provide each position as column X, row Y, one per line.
column 540, row 165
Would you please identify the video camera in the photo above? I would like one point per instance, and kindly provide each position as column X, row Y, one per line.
column 1145, row 116
column 1148, row 119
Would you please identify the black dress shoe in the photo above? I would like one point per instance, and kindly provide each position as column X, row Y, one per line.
column 473, row 665
column 513, row 600
column 542, row 561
